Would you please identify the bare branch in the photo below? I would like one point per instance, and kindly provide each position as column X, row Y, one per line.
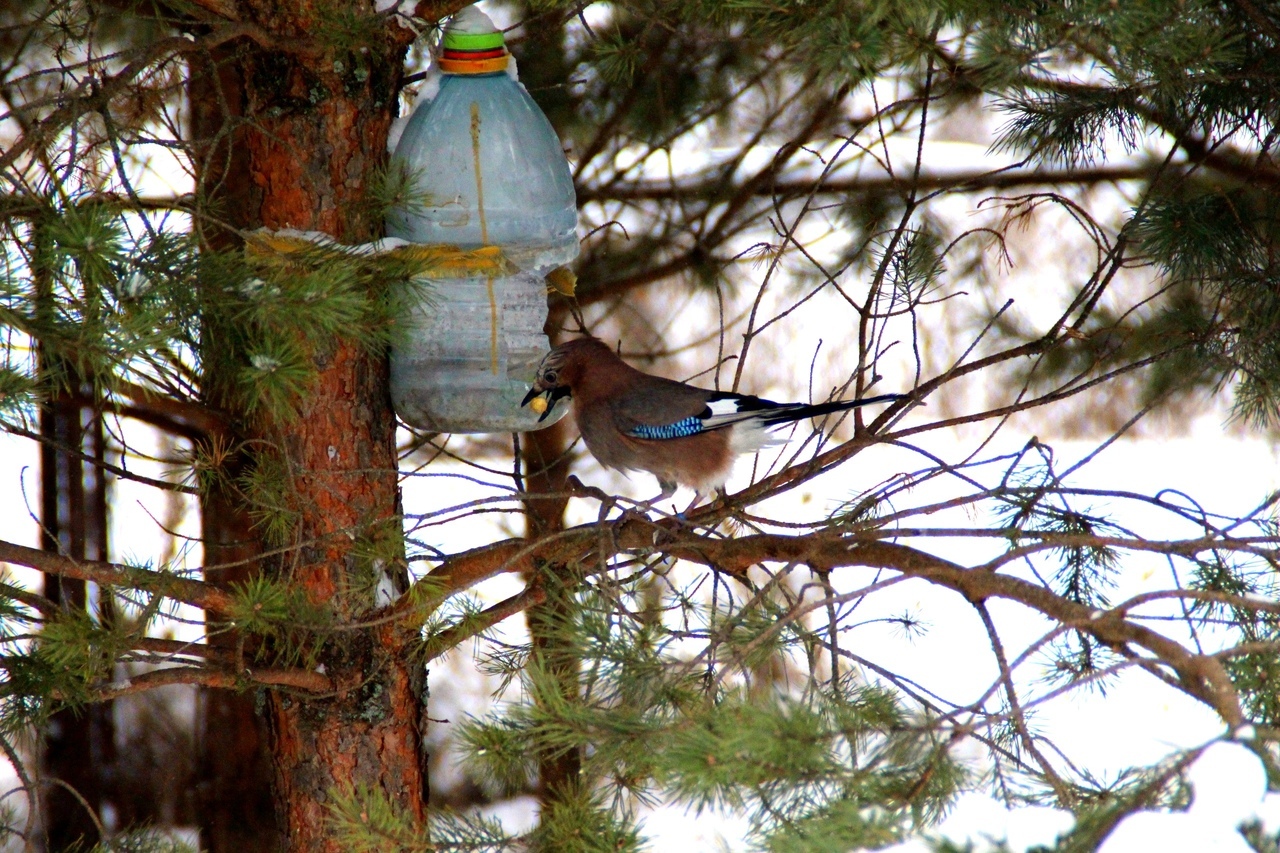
column 193, row 592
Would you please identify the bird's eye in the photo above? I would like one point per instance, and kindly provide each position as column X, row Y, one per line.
column 550, row 377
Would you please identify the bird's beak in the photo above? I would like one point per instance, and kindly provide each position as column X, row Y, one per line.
column 552, row 395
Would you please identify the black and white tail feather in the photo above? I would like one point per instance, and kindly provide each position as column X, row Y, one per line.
column 754, row 417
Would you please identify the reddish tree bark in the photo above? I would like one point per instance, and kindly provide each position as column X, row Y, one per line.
column 316, row 129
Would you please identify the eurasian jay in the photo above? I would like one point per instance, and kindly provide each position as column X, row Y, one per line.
column 683, row 435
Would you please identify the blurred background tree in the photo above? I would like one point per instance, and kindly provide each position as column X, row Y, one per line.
column 1057, row 218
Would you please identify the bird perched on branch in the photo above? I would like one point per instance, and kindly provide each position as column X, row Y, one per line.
column 683, row 435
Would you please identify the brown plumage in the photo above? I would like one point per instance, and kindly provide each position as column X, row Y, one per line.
column 632, row 421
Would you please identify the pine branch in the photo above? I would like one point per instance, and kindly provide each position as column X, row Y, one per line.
column 475, row 625
column 297, row 679
column 1200, row 676
column 38, row 603
column 122, row 473
column 225, row 9
column 965, row 181
column 433, row 11
column 25, row 206
column 96, row 91
column 1223, row 159
column 193, row 592
column 184, row 417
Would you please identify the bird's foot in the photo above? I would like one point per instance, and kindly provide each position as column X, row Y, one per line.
column 668, row 489
column 649, row 508
column 697, row 499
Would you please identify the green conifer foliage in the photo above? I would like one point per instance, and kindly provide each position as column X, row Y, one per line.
column 750, row 176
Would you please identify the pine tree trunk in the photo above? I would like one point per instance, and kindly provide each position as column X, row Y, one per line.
column 368, row 734
column 316, row 131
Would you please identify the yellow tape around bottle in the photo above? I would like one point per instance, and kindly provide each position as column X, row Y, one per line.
column 426, row 260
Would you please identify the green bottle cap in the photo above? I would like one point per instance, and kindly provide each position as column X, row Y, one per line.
column 473, row 41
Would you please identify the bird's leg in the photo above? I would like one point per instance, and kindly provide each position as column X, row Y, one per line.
column 722, row 494
column 719, row 492
column 697, row 499
column 668, row 489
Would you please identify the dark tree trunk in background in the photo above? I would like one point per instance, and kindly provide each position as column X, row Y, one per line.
column 546, row 465
column 236, row 810
column 79, row 746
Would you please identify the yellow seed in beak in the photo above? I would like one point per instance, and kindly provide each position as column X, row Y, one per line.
column 538, row 404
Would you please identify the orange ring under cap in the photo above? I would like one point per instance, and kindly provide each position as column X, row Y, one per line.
column 473, row 66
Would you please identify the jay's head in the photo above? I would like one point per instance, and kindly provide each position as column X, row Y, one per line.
column 561, row 368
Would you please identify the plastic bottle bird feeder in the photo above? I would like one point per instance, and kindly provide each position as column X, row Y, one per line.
column 485, row 169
